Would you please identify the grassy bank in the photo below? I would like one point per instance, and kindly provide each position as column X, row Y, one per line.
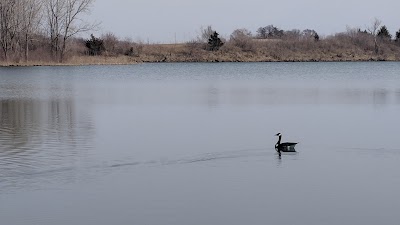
column 78, row 61
column 328, row 50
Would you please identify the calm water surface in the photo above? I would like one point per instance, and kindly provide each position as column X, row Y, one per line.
column 190, row 144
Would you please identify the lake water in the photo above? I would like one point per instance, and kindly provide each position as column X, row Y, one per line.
column 190, row 144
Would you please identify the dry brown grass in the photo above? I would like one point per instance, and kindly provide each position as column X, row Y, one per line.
column 101, row 60
column 335, row 48
column 79, row 61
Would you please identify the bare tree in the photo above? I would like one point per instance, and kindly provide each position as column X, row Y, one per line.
column 352, row 32
column 294, row 35
column 201, row 40
column 30, row 20
column 205, row 34
column 242, row 38
column 270, row 31
column 238, row 33
column 373, row 30
column 19, row 19
column 110, row 42
column 262, row 32
column 63, row 22
column 8, row 26
column 309, row 34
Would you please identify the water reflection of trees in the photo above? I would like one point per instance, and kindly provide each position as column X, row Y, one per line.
column 37, row 134
column 244, row 95
column 398, row 96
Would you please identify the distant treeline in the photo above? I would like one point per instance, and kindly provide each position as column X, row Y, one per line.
column 45, row 31
column 268, row 44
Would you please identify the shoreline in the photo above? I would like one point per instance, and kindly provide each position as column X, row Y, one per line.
column 332, row 49
column 118, row 61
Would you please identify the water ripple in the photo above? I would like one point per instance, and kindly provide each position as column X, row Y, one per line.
column 34, row 172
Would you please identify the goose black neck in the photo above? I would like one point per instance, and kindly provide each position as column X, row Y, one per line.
column 279, row 140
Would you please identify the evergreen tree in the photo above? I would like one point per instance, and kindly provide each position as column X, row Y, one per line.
column 397, row 36
column 95, row 45
column 316, row 37
column 362, row 31
column 384, row 33
column 214, row 42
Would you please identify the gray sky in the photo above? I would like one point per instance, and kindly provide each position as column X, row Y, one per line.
column 162, row 20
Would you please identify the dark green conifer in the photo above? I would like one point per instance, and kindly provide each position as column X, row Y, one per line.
column 95, row 45
column 214, row 42
column 397, row 36
column 384, row 33
column 316, row 37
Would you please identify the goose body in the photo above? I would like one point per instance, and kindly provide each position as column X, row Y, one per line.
column 284, row 147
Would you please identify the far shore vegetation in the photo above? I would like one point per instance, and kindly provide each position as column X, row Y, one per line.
column 46, row 32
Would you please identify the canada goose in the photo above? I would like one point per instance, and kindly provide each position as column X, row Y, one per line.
column 284, row 147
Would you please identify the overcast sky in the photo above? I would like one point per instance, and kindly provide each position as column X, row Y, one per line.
column 163, row 20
